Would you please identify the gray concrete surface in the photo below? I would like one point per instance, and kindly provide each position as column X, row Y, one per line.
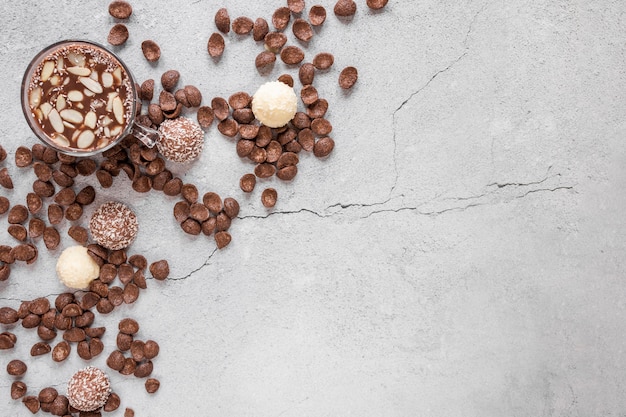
column 461, row 253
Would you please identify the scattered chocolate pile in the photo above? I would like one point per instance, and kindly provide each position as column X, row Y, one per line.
column 56, row 195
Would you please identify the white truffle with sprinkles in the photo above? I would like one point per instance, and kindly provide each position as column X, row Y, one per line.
column 88, row 389
column 181, row 139
column 113, row 225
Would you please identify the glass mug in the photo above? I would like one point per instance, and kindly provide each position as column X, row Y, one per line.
column 81, row 99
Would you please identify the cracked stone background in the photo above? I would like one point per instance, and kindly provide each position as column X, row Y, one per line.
column 461, row 253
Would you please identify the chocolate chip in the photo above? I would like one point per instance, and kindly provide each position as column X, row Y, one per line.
column 62, row 300
column 116, row 296
column 61, row 351
column 189, row 192
column 51, row 237
column 258, row 155
column 83, row 350
column 105, row 306
column 274, row 41
column 162, row 178
column 116, row 360
column 302, row 30
column 317, row 15
column 345, row 8
column 222, row 20
column 193, row 95
column 228, row 127
column 222, row 239
column 317, row 109
column 118, row 35
column 87, row 318
column 309, row 94
column 42, row 188
column 144, row 369
column 130, row 293
column 104, row 178
column 147, row 89
column 8, row 315
column 17, row 214
column 151, row 50
column 113, row 403
column 78, row 233
column 23, row 157
column 150, row 349
column 212, row 201
column 348, row 77
column 18, row 389
column 25, row 252
column 287, row 173
column 269, row 197
column 160, row 270
column 86, row 196
column 40, row 348
column 120, row 9
column 281, row 17
column 173, row 187
column 216, row 45
column 62, row 179
column 136, row 350
column 242, row 25
column 191, row 226
column 199, row 212
column 248, row 131
column 323, row 147
column 59, row 406
column 129, row 366
column 205, row 116
column 3, row 153
column 34, row 203
column 208, row 226
column 244, row 147
column 128, row 326
column 65, row 197
column 18, row 231
column 4, row 204
column 47, row 395
column 152, row 385
column 321, row 126
column 376, row 4
column 16, row 367
column 139, row 279
column 32, row 403
column 323, row 60
column 231, row 207
column 169, row 79
column 260, row 29
column 247, row 183
column 39, row 306
column 6, row 341
column 264, row 170
column 75, row 334
column 5, row 179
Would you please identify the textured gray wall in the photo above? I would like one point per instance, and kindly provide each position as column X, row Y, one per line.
column 461, row 253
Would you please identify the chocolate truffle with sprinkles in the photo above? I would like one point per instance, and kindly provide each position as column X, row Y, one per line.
column 113, row 225
column 181, row 139
column 88, row 389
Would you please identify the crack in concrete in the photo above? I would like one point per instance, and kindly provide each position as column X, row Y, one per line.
column 201, row 267
column 423, row 87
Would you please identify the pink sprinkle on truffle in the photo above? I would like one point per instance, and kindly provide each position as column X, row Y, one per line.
column 114, row 225
column 181, row 139
column 88, row 389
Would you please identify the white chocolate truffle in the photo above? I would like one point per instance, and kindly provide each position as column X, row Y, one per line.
column 274, row 104
column 76, row 268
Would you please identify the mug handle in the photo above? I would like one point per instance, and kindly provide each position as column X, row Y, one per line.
column 148, row 136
